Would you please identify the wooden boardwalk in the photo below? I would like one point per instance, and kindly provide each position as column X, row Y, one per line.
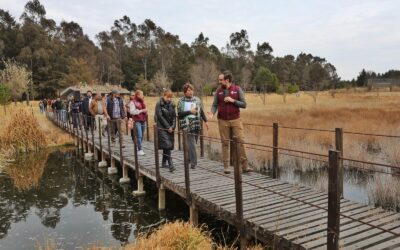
column 274, row 211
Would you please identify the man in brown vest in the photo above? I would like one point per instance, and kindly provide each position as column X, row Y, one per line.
column 228, row 100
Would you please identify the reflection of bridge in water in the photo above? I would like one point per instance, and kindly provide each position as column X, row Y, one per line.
column 270, row 210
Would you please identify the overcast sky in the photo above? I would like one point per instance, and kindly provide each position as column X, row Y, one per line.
column 351, row 34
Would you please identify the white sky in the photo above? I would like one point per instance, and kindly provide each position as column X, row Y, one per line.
column 351, row 34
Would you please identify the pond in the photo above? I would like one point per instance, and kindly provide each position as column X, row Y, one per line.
column 51, row 198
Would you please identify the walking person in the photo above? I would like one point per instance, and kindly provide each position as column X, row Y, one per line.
column 228, row 100
column 138, row 112
column 74, row 109
column 191, row 114
column 115, row 113
column 165, row 119
column 96, row 110
column 87, row 121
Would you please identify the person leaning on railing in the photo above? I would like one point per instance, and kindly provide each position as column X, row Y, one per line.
column 114, row 111
column 190, row 113
column 228, row 100
column 165, row 118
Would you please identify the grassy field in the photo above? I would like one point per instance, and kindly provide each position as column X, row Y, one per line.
column 361, row 111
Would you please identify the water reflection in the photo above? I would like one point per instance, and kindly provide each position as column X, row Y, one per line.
column 67, row 202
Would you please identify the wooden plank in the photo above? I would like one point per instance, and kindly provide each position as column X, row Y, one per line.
column 305, row 229
column 353, row 233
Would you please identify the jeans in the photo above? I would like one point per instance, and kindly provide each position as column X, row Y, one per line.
column 192, row 140
column 140, row 128
column 75, row 119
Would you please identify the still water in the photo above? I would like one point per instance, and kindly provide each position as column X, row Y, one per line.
column 51, row 197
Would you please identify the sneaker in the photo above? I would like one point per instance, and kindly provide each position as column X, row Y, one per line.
column 193, row 166
column 227, row 171
column 140, row 152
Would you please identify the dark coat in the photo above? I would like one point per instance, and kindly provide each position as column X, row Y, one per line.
column 165, row 118
column 85, row 106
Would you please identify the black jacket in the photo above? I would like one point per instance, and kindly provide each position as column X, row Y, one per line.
column 85, row 106
column 165, row 117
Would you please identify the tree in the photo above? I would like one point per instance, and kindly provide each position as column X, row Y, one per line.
column 4, row 95
column 161, row 82
column 362, row 79
column 265, row 81
column 203, row 73
column 16, row 77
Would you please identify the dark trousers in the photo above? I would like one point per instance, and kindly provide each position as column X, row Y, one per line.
column 166, row 155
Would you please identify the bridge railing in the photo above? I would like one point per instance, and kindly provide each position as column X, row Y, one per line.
column 81, row 125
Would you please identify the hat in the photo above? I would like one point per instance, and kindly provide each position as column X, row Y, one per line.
column 114, row 91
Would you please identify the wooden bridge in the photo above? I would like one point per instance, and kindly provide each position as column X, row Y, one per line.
column 274, row 212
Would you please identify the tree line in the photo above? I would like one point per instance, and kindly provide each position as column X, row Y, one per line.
column 148, row 57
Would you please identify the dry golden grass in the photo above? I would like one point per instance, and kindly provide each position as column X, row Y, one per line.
column 54, row 136
column 353, row 110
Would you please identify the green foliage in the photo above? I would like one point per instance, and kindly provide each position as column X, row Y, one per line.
column 280, row 90
column 293, row 88
column 4, row 94
column 59, row 55
column 265, row 80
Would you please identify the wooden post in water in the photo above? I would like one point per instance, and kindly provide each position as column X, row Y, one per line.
column 339, row 147
column 135, row 153
column 112, row 169
column 125, row 177
column 140, row 184
column 239, row 195
column 333, row 201
column 103, row 162
column 275, row 154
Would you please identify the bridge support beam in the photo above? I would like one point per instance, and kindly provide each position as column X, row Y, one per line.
column 140, row 191
column 112, row 169
column 103, row 162
column 161, row 198
column 194, row 215
column 125, row 178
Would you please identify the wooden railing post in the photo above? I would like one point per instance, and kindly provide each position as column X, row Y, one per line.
column 186, row 165
column 232, row 150
column 339, row 147
column 156, row 156
column 135, row 151
column 81, row 128
column 239, row 194
column 333, row 201
column 102, row 163
column 125, row 178
column 147, row 127
column 179, row 134
column 92, row 124
column 201, row 139
column 275, row 152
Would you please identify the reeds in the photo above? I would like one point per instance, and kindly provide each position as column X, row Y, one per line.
column 23, row 133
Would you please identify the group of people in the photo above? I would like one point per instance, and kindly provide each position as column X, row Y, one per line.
column 228, row 100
